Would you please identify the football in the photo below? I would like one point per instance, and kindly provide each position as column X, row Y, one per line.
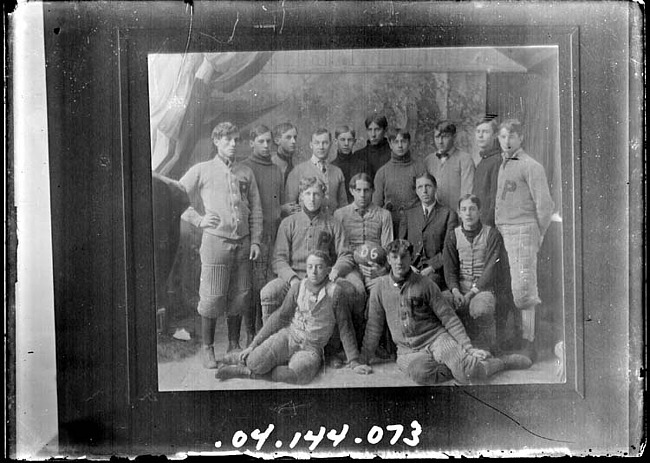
column 370, row 252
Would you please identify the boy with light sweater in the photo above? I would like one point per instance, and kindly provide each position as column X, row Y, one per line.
column 523, row 212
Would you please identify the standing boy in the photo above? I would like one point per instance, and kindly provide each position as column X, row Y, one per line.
column 452, row 168
column 349, row 163
column 226, row 206
column 522, row 215
column 486, row 173
column 395, row 181
column 290, row 347
column 318, row 166
column 270, row 184
column 432, row 345
column 376, row 153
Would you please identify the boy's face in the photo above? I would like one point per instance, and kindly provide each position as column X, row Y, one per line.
column 362, row 193
column 345, row 142
column 510, row 141
column 469, row 214
column 317, row 269
column 425, row 190
column 288, row 141
column 375, row 133
column 484, row 135
column 399, row 145
column 320, row 145
column 444, row 141
column 262, row 144
column 226, row 145
column 400, row 264
column 312, row 198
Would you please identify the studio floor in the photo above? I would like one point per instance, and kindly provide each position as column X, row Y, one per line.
column 185, row 372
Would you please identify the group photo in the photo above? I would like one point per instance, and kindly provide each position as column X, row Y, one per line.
column 357, row 218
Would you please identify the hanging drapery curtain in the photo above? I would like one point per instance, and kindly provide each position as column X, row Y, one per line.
column 181, row 90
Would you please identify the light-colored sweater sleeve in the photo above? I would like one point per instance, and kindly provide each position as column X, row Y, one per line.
column 378, row 195
column 387, row 232
column 536, row 178
column 281, row 263
column 466, row 175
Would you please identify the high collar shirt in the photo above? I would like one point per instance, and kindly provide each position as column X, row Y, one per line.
column 228, row 191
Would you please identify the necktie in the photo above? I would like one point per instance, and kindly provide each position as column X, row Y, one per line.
column 323, row 167
column 426, row 214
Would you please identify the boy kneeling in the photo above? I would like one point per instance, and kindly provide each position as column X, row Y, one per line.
column 289, row 347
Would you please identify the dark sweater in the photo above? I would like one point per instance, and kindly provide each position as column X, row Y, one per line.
column 416, row 312
column 270, row 184
column 486, row 175
column 375, row 156
column 350, row 165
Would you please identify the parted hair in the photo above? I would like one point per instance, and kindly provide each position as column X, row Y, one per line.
column 380, row 120
column 513, row 126
column 399, row 247
column 341, row 129
column 427, row 175
column 259, row 130
column 322, row 255
column 473, row 198
column 321, row 131
column 445, row 127
column 308, row 182
column 363, row 177
column 282, row 128
column 223, row 129
column 393, row 133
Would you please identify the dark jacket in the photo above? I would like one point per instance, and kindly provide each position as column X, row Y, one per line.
column 428, row 237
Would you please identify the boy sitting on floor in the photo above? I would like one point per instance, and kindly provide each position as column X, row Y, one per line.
column 289, row 348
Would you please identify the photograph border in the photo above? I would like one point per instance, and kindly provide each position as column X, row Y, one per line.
column 136, row 44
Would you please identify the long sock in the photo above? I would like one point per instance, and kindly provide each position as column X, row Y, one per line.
column 208, row 326
column 528, row 324
column 490, row 366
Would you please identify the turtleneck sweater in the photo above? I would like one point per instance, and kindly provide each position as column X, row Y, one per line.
column 375, row 156
column 270, row 183
column 485, row 182
column 395, row 185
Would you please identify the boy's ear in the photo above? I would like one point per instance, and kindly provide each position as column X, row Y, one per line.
column 251, row 143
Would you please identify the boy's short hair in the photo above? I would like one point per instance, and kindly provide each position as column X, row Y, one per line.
column 426, row 175
column 445, row 127
column 321, row 131
column 307, row 182
column 381, row 121
column 322, row 255
column 512, row 126
column 259, row 130
column 341, row 129
column 473, row 198
column 282, row 128
column 223, row 129
column 363, row 177
column 393, row 133
column 490, row 119
column 399, row 247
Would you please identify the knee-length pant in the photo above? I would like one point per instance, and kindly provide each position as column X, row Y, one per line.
column 522, row 244
column 423, row 366
column 225, row 285
column 281, row 349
